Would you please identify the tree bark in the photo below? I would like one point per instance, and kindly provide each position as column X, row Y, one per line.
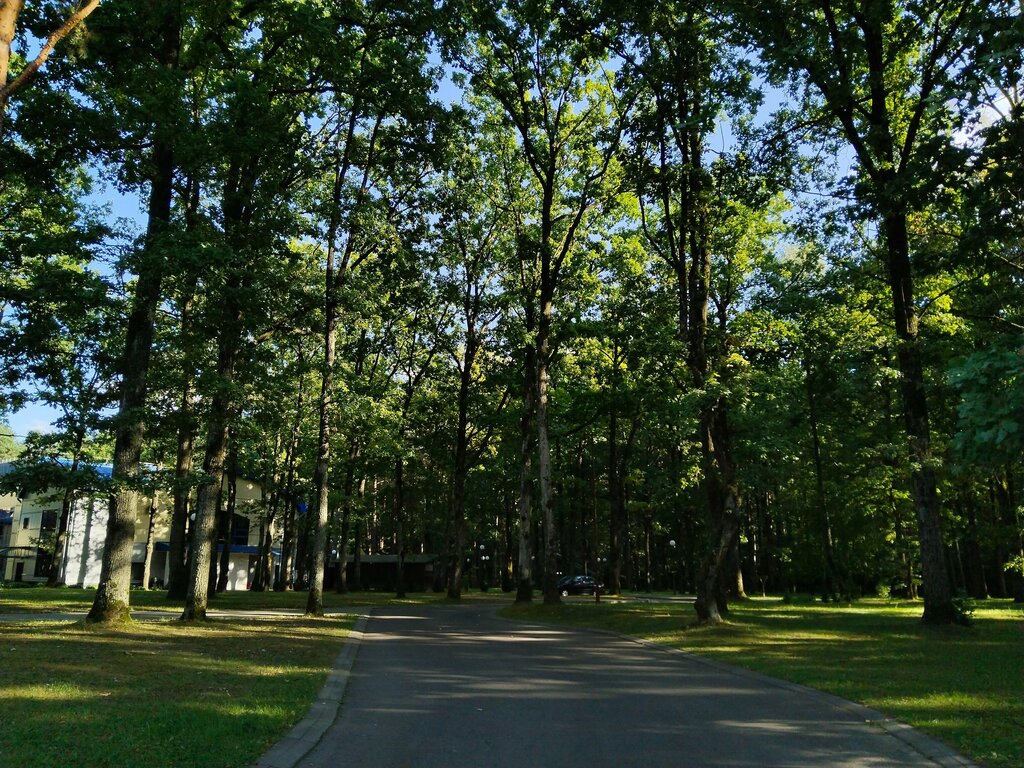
column 974, row 570
column 830, row 582
column 461, row 456
column 616, row 497
column 227, row 522
column 177, row 578
column 524, row 581
column 147, row 562
column 9, row 11
column 719, row 473
column 547, row 501
column 399, row 512
column 938, row 596
column 55, row 577
column 112, row 595
column 334, row 279
column 346, row 516
column 208, row 501
column 284, row 583
column 239, row 188
column 315, row 599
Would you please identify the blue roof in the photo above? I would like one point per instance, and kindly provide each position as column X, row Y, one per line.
column 103, row 470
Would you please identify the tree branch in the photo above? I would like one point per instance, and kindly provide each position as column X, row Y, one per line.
column 28, row 72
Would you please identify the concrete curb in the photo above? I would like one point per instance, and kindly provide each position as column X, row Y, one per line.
column 287, row 752
column 929, row 748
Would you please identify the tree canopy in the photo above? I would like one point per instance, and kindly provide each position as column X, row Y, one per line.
column 712, row 299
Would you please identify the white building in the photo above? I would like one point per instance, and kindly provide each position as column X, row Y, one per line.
column 33, row 524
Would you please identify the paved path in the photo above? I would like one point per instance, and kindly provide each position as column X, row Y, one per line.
column 457, row 686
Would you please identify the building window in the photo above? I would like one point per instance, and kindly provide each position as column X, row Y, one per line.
column 240, row 530
column 43, row 560
column 48, row 522
column 24, row 523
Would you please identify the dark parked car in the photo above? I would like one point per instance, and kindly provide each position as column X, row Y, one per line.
column 578, row 585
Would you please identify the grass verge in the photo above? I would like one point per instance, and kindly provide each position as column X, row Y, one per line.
column 961, row 686
column 39, row 599
column 159, row 693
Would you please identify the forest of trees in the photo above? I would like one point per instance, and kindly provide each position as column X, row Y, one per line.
column 723, row 298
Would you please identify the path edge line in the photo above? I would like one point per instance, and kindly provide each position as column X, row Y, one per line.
column 308, row 732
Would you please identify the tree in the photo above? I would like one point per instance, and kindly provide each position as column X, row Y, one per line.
column 9, row 12
column 472, row 233
column 883, row 75
column 553, row 92
column 385, row 86
column 62, row 327
column 155, row 34
column 10, row 448
column 686, row 80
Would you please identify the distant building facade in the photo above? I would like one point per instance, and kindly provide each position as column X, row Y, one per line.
column 34, row 519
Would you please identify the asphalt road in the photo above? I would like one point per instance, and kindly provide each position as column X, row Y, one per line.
column 457, row 686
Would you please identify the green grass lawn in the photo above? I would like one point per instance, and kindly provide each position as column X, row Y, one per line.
column 962, row 686
column 158, row 693
column 38, row 599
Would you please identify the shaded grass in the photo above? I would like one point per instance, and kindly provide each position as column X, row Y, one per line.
column 962, row 686
column 159, row 693
column 39, row 599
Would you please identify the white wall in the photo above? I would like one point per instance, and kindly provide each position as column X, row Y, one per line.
column 87, row 532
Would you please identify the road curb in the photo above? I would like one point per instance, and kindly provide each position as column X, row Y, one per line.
column 301, row 739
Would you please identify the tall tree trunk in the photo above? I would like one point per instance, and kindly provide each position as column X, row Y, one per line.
column 830, row 586
column 508, row 563
column 938, row 596
column 238, row 190
column 524, row 581
column 284, row 583
column 147, row 562
column 616, row 497
column 399, row 511
column 264, row 574
column 177, row 576
column 354, row 450
column 974, row 571
column 55, row 577
column 208, row 501
column 111, row 602
column 357, row 563
column 334, row 280
column 722, row 520
column 547, row 501
column 227, row 525
column 315, row 599
column 461, row 462
column 9, row 10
